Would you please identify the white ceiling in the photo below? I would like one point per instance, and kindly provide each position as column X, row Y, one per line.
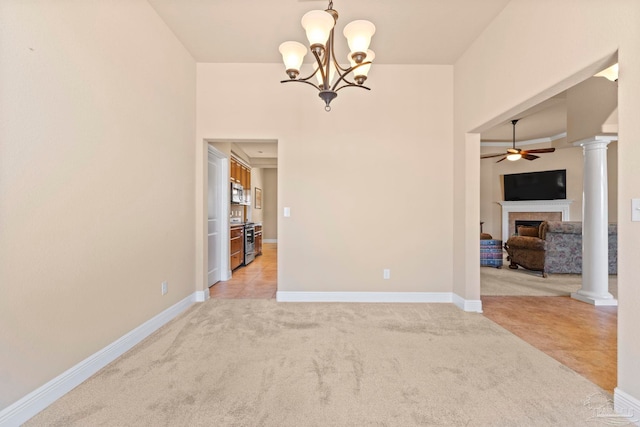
column 250, row 31
column 407, row 32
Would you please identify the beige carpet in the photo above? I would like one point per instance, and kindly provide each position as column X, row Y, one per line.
column 521, row 282
column 263, row 363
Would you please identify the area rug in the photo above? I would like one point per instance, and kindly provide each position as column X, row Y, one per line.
column 263, row 363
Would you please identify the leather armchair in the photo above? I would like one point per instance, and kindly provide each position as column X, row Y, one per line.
column 528, row 248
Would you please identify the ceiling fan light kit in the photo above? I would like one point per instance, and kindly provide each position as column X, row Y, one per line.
column 514, row 153
column 319, row 26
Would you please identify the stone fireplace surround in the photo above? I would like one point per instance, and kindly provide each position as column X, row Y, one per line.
column 543, row 210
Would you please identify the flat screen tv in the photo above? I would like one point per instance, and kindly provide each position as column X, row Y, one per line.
column 545, row 185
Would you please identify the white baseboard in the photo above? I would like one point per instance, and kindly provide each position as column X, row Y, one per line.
column 39, row 399
column 269, row 240
column 201, row 296
column 472, row 305
column 421, row 297
column 627, row 405
column 418, row 297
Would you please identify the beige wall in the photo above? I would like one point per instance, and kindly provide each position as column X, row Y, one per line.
column 270, row 204
column 96, row 180
column 517, row 62
column 343, row 173
column 257, row 180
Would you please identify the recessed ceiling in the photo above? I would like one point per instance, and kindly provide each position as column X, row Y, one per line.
column 547, row 119
column 250, row 31
column 259, row 149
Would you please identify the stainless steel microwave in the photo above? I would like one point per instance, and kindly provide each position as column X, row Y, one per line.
column 237, row 193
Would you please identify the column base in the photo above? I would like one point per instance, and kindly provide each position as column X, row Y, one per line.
column 603, row 300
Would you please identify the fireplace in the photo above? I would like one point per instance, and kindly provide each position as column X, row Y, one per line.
column 532, row 210
column 527, row 223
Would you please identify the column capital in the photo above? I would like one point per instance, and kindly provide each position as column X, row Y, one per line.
column 596, row 141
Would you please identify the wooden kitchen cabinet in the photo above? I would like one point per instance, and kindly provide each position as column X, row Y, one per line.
column 236, row 246
column 258, row 240
column 234, row 170
column 240, row 173
column 243, row 176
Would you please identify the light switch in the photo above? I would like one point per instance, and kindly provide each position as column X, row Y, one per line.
column 635, row 209
column 287, row 212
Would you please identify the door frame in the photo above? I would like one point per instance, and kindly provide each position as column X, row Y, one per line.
column 223, row 212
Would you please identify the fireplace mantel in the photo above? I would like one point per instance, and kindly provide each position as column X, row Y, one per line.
column 533, row 206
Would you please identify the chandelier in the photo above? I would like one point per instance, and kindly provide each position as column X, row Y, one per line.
column 319, row 26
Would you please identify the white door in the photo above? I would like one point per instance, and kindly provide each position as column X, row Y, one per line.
column 214, row 203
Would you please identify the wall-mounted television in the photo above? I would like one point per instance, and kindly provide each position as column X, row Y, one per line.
column 544, row 185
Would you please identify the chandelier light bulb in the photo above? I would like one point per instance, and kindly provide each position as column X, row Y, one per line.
column 293, row 54
column 514, row 157
column 318, row 25
column 358, row 34
column 362, row 71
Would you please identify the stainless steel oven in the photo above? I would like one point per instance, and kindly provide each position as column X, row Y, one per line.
column 249, row 242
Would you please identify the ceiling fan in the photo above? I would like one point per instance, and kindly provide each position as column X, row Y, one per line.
column 517, row 153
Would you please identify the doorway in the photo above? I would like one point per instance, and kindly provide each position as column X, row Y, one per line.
column 255, row 277
column 540, row 310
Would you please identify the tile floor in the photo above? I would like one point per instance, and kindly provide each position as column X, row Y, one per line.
column 578, row 335
column 256, row 280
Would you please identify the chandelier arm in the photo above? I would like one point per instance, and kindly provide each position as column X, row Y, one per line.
column 319, row 61
column 344, row 76
column 338, row 66
column 308, row 77
column 352, row 85
column 301, row 81
column 326, row 81
column 333, row 56
column 320, row 67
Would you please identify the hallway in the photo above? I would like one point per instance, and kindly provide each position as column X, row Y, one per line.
column 257, row 280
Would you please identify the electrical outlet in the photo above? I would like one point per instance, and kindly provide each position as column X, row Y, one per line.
column 635, row 209
column 165, row 287
column 386, row 273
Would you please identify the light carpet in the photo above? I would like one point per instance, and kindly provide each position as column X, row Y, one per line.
column 521, row 282
column 263, row 363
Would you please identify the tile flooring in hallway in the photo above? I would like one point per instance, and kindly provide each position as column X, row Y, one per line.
column 259, row 279
column 581, row 336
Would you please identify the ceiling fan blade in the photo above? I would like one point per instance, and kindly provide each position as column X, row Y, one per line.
column 501, row 159
column 486, row 156
column 540, row 150
column 529, row 156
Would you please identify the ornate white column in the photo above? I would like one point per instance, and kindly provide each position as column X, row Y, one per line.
column 595, row 224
